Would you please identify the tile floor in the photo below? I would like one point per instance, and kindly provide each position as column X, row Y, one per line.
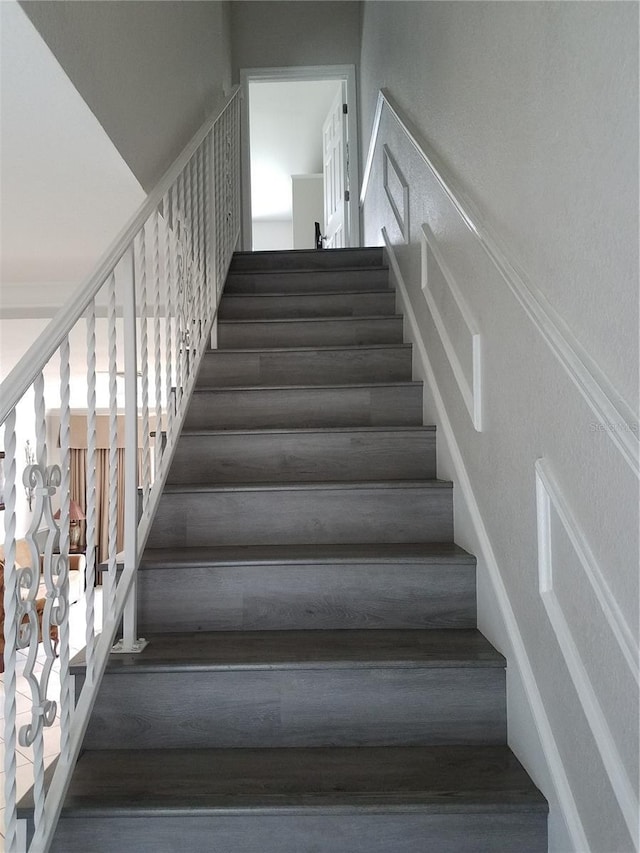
column 24, row 755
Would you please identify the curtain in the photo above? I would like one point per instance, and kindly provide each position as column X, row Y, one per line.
column 79, row 491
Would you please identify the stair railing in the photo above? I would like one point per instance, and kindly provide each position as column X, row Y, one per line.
column 145, row 315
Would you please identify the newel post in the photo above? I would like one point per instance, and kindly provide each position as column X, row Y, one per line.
column 130, row 642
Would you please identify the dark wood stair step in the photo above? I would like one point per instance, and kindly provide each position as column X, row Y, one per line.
column 307, row 259
column 344, row 303
column 316, row 331
column 306, row 365
column 300, row 282
column 364, row 800
column 435, row 778
column 306, row 406
column 298, row 587
column 277, row 455
column 320, row 513
column 405, row 553
column 269, row 650
column 301, row 688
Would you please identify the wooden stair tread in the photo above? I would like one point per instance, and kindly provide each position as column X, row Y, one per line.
column 330, row 319
column 266, row 555
column 199, row 389
column 352, row 348
column 347, row 649
column 307, row 293
column 439, row 779
column 203, row 488
column 369, row 430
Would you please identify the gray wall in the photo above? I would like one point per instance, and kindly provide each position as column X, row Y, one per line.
column 272, row 34
column 151, row 72
column 531, row 110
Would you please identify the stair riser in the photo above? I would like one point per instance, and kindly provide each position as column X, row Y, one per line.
column 234, row 334
column 306, row 367
column 306, row 281
column 294, row 283
column 358, row 831
column 361, row 304
column 299, row 597
column 299, row 708
column 303, row 457
column 298, row 516
column 307, row 260
column 284, row 408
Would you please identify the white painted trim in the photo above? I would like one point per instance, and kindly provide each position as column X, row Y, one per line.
column 471, row 394
column 611, row 610
column 402, row 216
column 600, row 394
column 463, row 482
column 373, row 140
column 549, row 498
column 346, row 73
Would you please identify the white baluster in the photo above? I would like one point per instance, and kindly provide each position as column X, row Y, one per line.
column 168, row 276
column 202, row 255
column 158, row 341
column 130, row 642
column 192, row 305
column 109, row 593
column 90, row 632
column 12, row 615
column 207, row 225
column 177, row 285
column 184, row 285
column 144, row 367
column 62, row 610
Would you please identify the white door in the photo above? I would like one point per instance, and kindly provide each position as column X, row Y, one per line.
column 334, row 166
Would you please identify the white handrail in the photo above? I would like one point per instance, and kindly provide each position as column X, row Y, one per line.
column 191, row 224
column 22, row 375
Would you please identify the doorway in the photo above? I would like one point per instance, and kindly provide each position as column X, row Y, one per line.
column 285, row 184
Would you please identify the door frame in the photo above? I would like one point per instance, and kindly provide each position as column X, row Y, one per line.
column 303, row 73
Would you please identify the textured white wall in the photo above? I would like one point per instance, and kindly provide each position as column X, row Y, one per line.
column 269, row 34
column 531, row 109
column 151, row 72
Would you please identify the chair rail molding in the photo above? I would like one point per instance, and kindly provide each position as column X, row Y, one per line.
column 608, row 406
column 544, row 730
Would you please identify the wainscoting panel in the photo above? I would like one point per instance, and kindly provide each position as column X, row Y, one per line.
column 466, row 366
column 397, row 190
column 563, row 552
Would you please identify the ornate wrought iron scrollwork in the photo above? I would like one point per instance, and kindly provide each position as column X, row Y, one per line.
column 35, row 627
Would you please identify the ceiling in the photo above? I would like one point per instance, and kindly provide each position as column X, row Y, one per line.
column 286, row 121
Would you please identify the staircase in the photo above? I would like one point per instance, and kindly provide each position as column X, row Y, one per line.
column 314, row 679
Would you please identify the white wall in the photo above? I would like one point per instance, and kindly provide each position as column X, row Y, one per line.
column 531, row 111
column 269, row 34
column 308, row 208
column 272, row 234
column 65, row 189
column 150, row 72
